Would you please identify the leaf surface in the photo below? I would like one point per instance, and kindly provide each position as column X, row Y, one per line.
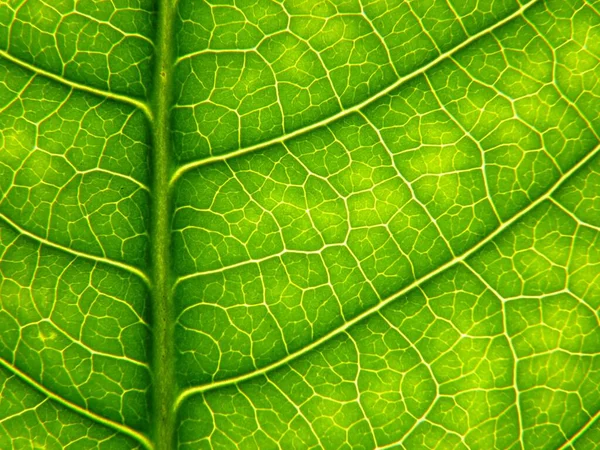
column 334, row 224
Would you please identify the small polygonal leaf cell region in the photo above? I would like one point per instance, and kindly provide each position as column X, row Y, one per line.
column 300, row 224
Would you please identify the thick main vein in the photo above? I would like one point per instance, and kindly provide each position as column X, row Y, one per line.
column 142, row 106
column 345, row 112
column 186, row 393
column 163, row 378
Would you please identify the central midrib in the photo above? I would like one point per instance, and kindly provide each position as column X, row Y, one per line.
column 165, row 396
column 163, row 379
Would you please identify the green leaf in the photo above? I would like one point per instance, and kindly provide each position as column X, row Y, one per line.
column 299, row 224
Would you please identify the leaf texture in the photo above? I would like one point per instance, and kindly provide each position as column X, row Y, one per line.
column 300, row 224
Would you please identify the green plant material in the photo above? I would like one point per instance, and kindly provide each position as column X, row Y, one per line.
column 292, row 224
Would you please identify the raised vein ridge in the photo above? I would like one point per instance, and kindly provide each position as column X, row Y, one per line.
column 345, row 112
column 186, row 393
column 163, row 377
column 111, row 262
column 141, row 438
column 142, row 106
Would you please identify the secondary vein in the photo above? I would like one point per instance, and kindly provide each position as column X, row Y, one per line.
column 345, row 112
column 579, row 433
column 112, row 262
column 186, row 393
column 142, row 106
column 141, row 438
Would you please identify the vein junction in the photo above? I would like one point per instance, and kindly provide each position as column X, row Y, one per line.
column 351, row 232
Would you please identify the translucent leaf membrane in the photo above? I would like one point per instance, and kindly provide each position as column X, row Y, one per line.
column 73, row 168
column 279, row 247
column 498, row 351
column 384, row 224
column 102, row 43
column 75, row 326
column 73, row 234
column 401, row 275
column 248, row 72
column 30, row 420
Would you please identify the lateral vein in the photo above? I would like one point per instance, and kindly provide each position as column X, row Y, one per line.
column 586, row 426
column 142, row 106
column 140, row 437
column 345, row 112
column 186, row 393
column 131, row 269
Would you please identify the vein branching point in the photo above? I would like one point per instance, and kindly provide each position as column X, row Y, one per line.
column 286, row 224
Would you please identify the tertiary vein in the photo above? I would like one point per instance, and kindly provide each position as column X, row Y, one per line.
column 586, row 426
column 345, row 112
column 141, row 105
column 140, row 437
column 188, row 392
column 101, row 259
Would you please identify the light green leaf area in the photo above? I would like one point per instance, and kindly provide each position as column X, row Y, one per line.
column 286, row 224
